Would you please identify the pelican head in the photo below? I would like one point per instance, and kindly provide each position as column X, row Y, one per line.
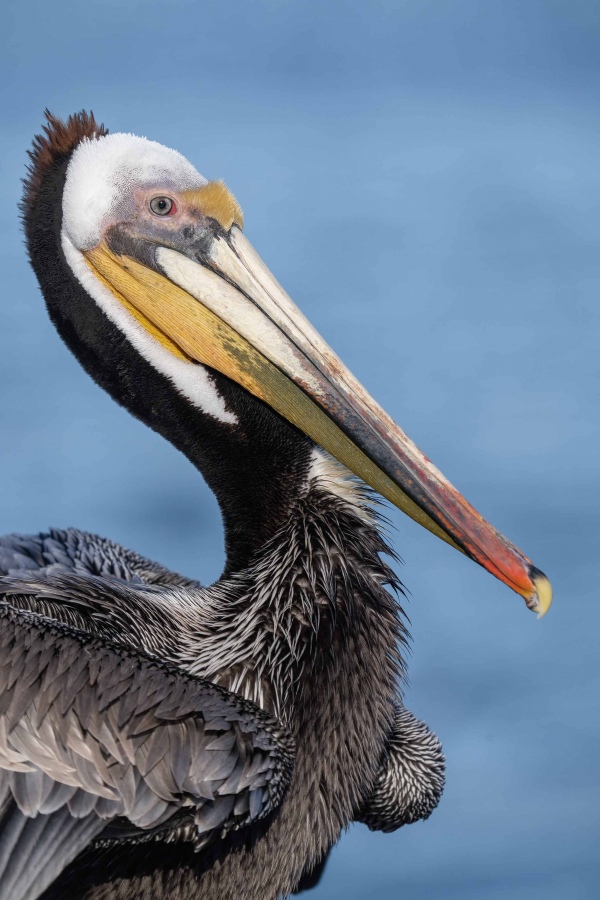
column 160, row 295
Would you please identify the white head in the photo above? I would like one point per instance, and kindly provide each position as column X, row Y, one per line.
column 101, row 177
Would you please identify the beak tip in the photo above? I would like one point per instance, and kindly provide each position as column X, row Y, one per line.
column 541, row 599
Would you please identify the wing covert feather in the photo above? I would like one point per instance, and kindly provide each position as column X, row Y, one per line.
column 101, row 731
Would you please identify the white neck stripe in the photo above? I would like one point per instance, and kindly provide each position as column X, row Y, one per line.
column 191, row 380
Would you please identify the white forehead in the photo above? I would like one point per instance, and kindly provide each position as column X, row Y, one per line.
column 101, row 177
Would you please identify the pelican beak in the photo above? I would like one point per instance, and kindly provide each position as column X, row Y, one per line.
column 215, row 302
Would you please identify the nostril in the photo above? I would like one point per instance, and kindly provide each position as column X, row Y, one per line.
column 188, row 232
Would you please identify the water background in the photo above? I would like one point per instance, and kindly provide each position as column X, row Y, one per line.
column 423, row 177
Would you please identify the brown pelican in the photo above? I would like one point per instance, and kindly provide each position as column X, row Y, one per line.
column 163, row 739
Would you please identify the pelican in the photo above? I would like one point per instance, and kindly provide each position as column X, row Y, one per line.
column 159, row 738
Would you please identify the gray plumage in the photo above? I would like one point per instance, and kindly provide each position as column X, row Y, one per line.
column 411, row 778
column 104, row 732
column 112, row 733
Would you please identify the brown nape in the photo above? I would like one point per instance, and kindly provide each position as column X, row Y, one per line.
column 58, row 141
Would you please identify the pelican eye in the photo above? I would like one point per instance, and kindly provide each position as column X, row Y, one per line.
column 162, row 206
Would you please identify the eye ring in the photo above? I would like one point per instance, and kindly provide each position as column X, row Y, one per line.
column 163, row 206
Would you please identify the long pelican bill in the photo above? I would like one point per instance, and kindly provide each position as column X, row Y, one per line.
column 222, row 307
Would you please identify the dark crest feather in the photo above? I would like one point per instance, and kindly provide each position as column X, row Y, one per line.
column 50, row 148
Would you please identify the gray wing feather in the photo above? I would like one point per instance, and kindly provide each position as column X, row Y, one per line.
column 91, row 731
column 411, row 778
column 69, row 551
column 34, row 851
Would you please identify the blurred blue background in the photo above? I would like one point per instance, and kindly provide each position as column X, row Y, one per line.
column 423, row 177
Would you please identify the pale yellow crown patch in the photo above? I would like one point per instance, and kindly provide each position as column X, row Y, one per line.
column 216, row 200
